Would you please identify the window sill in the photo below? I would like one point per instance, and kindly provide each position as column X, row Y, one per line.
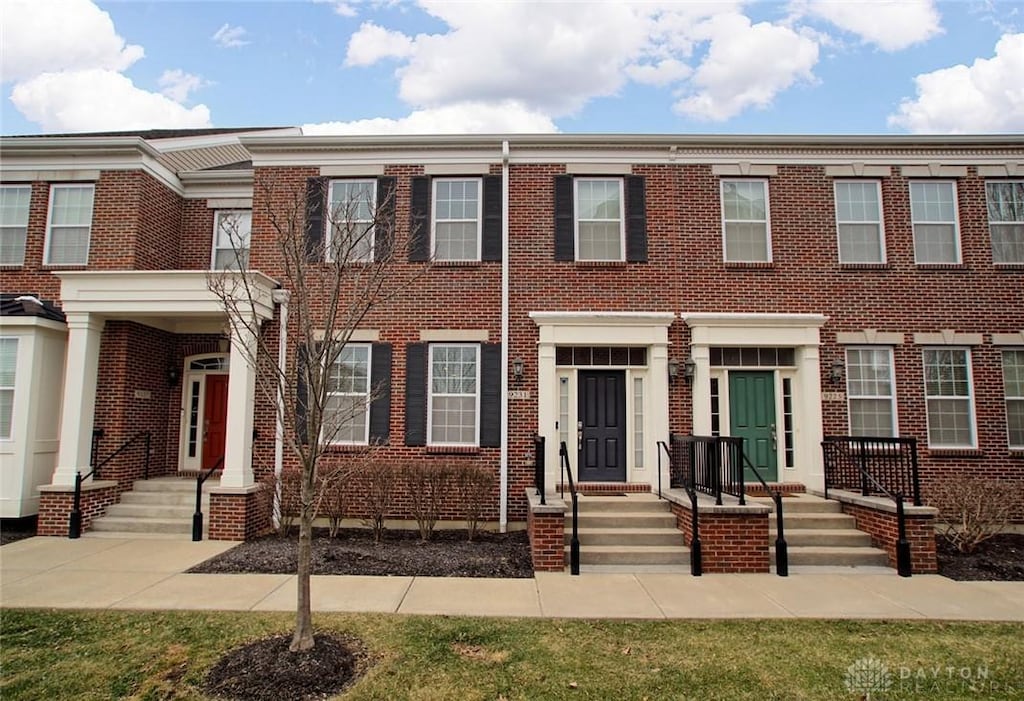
column 453, row 449
column 955, row 453
column 865, row 266
column 942, row 266
column 11, row 266
column 600, row 263
column 457, row 263
column 749, row 264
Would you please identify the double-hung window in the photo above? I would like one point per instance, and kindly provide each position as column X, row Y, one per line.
column 454, row 397
column 934, row 215
column 8, row 371
column 14, row 200
column 347, row 409
column 745, row 230
column 1013, row 390
column 871, row 391
column 232, row 229
column 69, row 226
column 352, row 205
column 1006, row 220
column 949, row 397
column 600, row 226
column 458, row 214
column 859, row 221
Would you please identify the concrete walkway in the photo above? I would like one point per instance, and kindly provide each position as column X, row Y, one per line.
column 121, row 573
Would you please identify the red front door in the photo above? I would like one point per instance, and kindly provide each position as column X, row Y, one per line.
column 215, row 415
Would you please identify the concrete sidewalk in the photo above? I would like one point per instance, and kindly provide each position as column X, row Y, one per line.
column 118, row 573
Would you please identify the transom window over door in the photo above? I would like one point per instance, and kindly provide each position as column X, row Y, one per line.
column 14, row 201
column 346, row 413
column 351, row 215
column 949, row 395
column 870, row 391
column 745, row 229
column 231, row 239
column 454, row 397
column 70, row 223
column 457, row 216
column 934, row 215
column 859, row 222
column 1006, row 220
column 600, row 227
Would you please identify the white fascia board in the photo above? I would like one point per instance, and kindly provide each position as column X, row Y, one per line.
column 18, row 323
column 216, row 184
column 603, row 318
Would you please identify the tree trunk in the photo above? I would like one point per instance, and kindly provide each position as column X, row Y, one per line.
column 303, row 638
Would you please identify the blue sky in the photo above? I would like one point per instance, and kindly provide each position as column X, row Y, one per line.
column 334, row 66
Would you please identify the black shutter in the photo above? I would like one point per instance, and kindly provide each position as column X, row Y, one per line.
column 316, row 196
column 416, row 394
column 301, row 394
column 384, row 235
column 380, row 382
column 419, row 224
column 491, row 247
column 636, row 219
column 490, row 395
column 565, row 244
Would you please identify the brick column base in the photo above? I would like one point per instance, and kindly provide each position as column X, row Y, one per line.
column 239, row 514
column 882, row 526
column 733, row 538
column 545, row 524
column 56, row 502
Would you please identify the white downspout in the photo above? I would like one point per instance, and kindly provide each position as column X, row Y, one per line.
column 281, row 297
column 503, row 494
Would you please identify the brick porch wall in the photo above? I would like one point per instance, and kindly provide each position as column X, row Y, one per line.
column 545, row 526
column 239, row 516
column 730, row 542
column 55, row 504
column 884, row 531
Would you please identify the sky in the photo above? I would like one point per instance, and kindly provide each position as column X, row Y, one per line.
column 386, row 66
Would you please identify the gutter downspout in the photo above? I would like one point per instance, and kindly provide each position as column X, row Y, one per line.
column 503, row 491
column 281, row 297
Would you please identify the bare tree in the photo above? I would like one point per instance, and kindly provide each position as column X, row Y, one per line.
column 336, row 274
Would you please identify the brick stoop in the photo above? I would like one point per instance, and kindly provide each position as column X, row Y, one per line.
column 160, row 505
column 630, row 529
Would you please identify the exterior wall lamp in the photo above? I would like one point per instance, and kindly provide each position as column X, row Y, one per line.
column 673, row 370
column 689, row 369
column 835, row 373
column 518, row 367
column 173, row 375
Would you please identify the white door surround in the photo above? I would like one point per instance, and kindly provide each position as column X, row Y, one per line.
column 193, row 406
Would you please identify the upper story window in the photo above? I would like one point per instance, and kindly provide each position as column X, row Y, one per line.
column 934, row 214
column 454, row 397
column 871, row 391
column 1013, row 390
column 347, row 411
column 1006, row 220
column 745, row 228
column 949, row 397
column 351, row 213
column 232, row 229
column 600, row 226
column 457, row 219
column 14, row 201
column 69, row 224
column 859, row 221
column 8, row 371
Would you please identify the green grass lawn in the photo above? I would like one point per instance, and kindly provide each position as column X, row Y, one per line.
column 164, row 655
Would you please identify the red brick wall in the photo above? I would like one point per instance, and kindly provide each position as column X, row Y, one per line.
column 729, row 542
column 159, row 230
column 884, row 531
column 55, row 508
column 196, row 235
column 239, row 516
column 547, row 541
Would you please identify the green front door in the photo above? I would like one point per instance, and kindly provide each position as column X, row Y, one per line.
column 752, row 418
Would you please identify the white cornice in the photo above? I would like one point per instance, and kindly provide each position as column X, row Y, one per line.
column 723, row 319
column 602, row 318
column 206, row 184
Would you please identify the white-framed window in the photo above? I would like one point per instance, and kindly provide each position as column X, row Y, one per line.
column 347, row 409
column 1013, row 390
column 638, row 422
column 69, row 224
column 453, row 414
column 600, row 224
column 458, row 215
column 14, row 201
column 859, row 221
column 933, row 210
column 352, row 205
column 746, row 234
column 8, row 372
column 231, row 232
column 1006, row 220
column 871, row 391
column 949, row 397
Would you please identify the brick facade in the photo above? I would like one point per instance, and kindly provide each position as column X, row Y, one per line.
column 55, row 507
column 884, row 531
column 546, row 530
column 239, row 516
column 730, row 542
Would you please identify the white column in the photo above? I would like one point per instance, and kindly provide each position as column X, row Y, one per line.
column 241, row 400
column 701, row 389
column 78, row 406
column 807, row 424
column 547, row 403
column 657, row 428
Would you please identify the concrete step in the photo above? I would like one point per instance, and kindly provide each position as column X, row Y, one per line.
column 173, row 484
column 836, row 556
column 162, row 498
column 645, row 555
column 627, row 537
column 618, row 519
column 817, row 521
column 147, row 511
column 632, row 503
column 839, row 537
column 142, row 525
column 802, row 504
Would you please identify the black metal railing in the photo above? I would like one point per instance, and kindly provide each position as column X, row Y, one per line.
column 696, row 552
column 539, row 447
column 574, row 543
column 197, row 517
column 872, row 465
column 712, row 464
column 781, row 549
column 75, row 519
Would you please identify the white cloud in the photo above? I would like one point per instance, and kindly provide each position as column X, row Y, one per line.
column 987, row 96
column 229, row 37
column 464, row 118
column 371, row 43
column 178, row 85
column 889, row 24
column 735, row 74
column 38, row 37
column 100, row 100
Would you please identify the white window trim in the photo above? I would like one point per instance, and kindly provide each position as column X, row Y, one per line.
column 767, row 218
column 881, row 222
column 329, row 229
column 12, row 388
column 970, row 399
column 576, row 219
column 479, row 218
column 49, row 222
column 28, row 210
column 366, row 396
column 956, row 222
column 991, row 223
column 892, row 381
column 1007, row 399
column 217, row 214
column 430, row 394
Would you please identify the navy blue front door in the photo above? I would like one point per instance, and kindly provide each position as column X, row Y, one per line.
column 602, row 415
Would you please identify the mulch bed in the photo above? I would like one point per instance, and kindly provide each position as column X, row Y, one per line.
column 1000, row 558
column 15, row 529
column 401, row 553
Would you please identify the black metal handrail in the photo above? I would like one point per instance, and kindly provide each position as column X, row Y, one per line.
column 713, row 465
column 197, row 517
column 781, row 549
column 871, row 485
column 574, row 543
column 696, row 553
column 890, row 462
column 75, row 518
column 539, row 448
